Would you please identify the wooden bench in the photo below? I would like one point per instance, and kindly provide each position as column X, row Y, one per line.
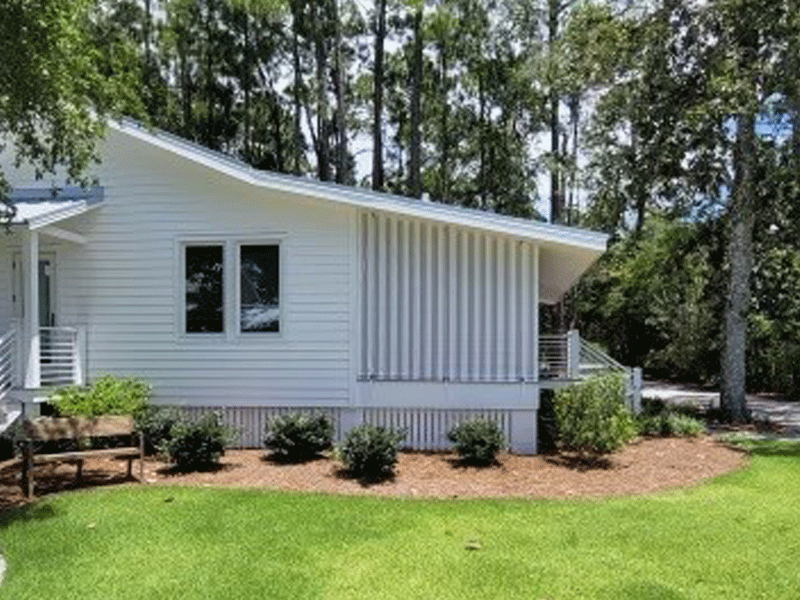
column 48, row 429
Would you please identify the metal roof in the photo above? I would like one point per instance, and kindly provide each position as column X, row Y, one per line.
column 354, row 196
column 39, row 207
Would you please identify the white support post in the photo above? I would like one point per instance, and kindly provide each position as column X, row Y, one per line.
column 573, row 354
column 30, row 272
column 636, row 390
column 524, row 432
column 19, row 352
column 80, row 355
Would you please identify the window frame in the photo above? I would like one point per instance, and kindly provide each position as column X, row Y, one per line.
column 231, row 287
column 237, row 304
column 182, row 291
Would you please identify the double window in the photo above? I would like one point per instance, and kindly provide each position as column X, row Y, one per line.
column 248, row 298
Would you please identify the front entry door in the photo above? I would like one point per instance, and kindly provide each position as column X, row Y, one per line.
column 47, row 288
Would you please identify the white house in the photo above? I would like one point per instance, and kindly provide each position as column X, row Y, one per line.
column 228, row 287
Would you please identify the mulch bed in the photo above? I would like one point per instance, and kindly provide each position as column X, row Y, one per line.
column 645, row 467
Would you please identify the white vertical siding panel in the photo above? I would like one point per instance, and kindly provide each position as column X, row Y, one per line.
column 525, row 310
column 364, row 263
column 475, row 318
column 392, row 305
column 430, row 304
column 452, row 272
column 512, row 315
column 534, row 331
column 374, row 333
column 437, row 309
column 402, row 316
column 413, row 288
column 463, row 306
column 500, row 309
column 488, row 308
column 441, row 315
column 383, row 319
column 424, row 307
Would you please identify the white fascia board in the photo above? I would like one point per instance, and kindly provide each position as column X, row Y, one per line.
column 74, row 209
column 529, row 230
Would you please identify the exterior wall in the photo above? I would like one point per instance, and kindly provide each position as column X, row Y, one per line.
column 442, row 303
column 124, row 285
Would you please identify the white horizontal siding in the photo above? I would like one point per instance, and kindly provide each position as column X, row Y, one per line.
column 122, row 285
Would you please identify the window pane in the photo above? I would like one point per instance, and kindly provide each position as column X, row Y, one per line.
column 204, row 306
column 260, row 310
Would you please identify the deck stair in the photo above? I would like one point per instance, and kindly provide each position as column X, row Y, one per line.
column 566, row 358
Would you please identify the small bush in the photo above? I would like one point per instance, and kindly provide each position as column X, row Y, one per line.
column 477, row 440
column 670, row 423
column 369, row 451
column 296, row 436
column 592, row 416
column 108, row 395
column 196, row 445
column 155, row 424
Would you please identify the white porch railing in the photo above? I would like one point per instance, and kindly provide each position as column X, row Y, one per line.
column 60, row 353
column 8, row 363
column 567, row 356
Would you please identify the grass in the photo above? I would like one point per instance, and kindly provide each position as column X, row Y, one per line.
column 735, row 537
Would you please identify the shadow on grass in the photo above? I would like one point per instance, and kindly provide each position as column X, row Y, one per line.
column 363, row 480
column 783, row 448
column 28, row 512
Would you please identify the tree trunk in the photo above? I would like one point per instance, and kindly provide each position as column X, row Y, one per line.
column 740, row 258
column 186, row 89
column 377, row 97
column 246, row 84
column 298, row 133
column 556, row 196
column 482, row 139
column 415, row 158
column 341, row 129
column 323, row 129
column 444, row 175
column 209, row 135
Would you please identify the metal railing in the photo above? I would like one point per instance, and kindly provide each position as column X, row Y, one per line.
column 554, row 356
column 8, row 362
column 593, row 361
column 59, row 356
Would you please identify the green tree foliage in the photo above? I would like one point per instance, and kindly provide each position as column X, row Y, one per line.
column 57, row 84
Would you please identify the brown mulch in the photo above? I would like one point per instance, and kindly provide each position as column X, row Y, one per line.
column 645, row 467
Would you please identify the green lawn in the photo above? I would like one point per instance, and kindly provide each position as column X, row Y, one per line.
column 736, row 537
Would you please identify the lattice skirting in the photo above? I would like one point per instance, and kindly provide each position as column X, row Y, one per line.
column 426, row 427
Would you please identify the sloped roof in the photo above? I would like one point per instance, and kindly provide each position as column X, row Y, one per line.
column 466, row 217
column 39, row 207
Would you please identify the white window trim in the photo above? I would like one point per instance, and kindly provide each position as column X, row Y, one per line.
column 238, row 287
column 231, row 264
column 181, row 290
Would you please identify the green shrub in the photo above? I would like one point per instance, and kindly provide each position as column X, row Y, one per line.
column 296, row 436
column 670, row 423
column 369, row 451
column 155, row 424
column 592, row 416
column 108, row 395
column 477, row 440
column 196, row 445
